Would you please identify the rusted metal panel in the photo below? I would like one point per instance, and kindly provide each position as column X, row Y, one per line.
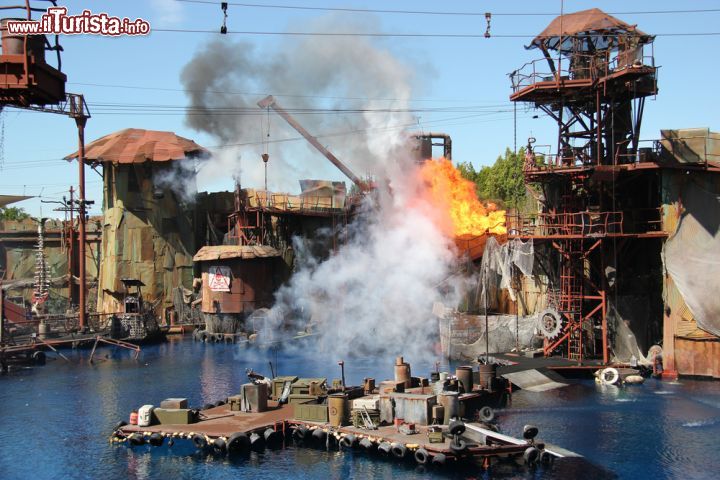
column 251, row 285
column 414, row 407
column 697, row 357
column 690, row 146
column 138, row 242
column 135, row 145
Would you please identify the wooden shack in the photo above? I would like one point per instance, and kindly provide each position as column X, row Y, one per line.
column 236, row 281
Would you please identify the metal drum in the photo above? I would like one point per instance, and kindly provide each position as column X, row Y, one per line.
column 15, row 44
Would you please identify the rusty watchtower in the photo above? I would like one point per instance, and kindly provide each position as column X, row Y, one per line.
column 593, row 79
column 598, row 189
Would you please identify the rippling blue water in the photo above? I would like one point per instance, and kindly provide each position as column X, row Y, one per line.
column 55, row 420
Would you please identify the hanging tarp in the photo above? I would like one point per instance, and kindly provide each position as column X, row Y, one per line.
column 692, row 254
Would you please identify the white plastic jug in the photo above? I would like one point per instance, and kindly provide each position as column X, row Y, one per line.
column 145, row 415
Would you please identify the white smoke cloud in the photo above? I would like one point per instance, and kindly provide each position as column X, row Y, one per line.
column 375, row 292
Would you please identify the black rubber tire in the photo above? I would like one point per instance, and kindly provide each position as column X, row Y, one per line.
column 367, row 445
column 458, row 447
column 530, row 455
column 273, row 439
column 399, row 450
column 301, row 434
column 39, row 357
column 257, row 442
column 156, row 439
column 136, row 440
column 219, row 446
column 348, row 441
column 199, row 441
column 219, row 337
column 384, row 448
column 422, row 457
column 486, row 414
column 319, row 438
column 439, row 459
column 208, row 406
column 238, row 443
column 456, row 427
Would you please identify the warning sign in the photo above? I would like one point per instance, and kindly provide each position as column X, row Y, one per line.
column 219, row 278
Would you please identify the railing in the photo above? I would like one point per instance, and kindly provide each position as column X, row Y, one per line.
column 294, row 203
column 542, row 160
column 585, row 223
column 580, row 66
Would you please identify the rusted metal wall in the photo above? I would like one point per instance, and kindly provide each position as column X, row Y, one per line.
column 687, row 349
column 252, row 285
column 145, row 235
column 697, row 357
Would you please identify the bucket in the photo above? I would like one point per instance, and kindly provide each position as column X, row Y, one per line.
column 464, row 375
column 337, row 410
column 14, row 44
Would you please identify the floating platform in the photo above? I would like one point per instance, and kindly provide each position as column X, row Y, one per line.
column 218, row 426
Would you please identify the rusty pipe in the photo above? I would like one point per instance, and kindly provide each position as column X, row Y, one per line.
column 81, row 121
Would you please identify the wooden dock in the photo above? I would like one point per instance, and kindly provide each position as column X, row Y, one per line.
column 218, row 424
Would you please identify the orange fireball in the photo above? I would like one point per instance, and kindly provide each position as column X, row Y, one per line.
column 448, row 189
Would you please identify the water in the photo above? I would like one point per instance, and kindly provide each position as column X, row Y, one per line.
column 56, row 419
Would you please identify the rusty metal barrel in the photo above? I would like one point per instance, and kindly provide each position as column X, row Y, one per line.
column 337, row 409
column 14, row 44
column 487, row 375
column 464, row 375
column 451, row 405
column 402, row 372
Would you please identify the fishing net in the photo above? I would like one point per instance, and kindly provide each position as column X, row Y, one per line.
column 496, row 269
column 464, row 337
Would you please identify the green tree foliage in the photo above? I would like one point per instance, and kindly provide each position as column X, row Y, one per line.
column 503, row 182
column 13, row 213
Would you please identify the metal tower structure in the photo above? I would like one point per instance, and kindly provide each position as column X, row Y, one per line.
column 593, row 78
column 28, row 81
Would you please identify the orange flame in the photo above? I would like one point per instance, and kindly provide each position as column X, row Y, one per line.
column 468, row 215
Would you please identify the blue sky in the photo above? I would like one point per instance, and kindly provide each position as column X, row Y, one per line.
column 448, row 73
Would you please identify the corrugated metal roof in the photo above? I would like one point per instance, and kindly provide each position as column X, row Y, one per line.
column 135, row 145
column 588, row 21
column 245, row 252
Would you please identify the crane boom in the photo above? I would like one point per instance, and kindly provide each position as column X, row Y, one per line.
column 270, row 102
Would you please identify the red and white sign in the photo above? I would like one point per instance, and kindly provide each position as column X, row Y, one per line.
column 219, row 278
